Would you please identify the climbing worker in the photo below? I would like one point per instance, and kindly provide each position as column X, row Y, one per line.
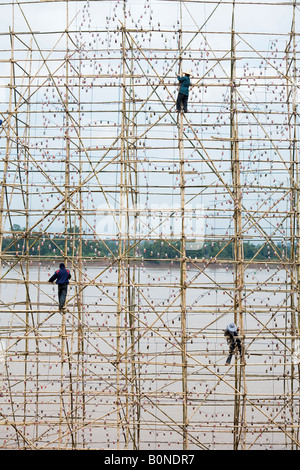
column 183, row 95
column 231, row 334
column 62, row 276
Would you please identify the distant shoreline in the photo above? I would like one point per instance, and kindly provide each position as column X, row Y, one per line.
column 162, row 264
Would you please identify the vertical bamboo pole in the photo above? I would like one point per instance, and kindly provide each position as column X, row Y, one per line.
column 80, row 355
column 240, row 383
column 292, row 229
column 183, row 263
column 291, row 80
column 67, row 140
column 126, row 244
column 183, row 286
column 24, row 185
column 65, row 254
column 26, row 248
column 27, row 212
column 8, row 151
column 134, row 324
column 120, row 295
column 4, row 208
column 133, row 403
column 27, row 165
column 296, row 208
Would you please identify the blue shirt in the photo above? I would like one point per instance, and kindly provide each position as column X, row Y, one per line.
column 184, row 86
column 62, row 276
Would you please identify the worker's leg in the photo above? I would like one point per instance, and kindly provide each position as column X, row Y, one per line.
column 185, row 103
column 239, row 345
column 62, row 294
column 228, row 360
column 179, row 102
column 59, row 293
column 231, row 351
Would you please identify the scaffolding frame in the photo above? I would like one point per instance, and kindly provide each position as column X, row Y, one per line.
column 173, row 225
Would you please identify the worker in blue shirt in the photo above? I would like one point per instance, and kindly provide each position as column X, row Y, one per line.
column 62, row 276
column 183, row 95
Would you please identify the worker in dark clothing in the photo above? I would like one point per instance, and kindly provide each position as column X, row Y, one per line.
column 231, row 334
column 183, row 95
column 62, row 276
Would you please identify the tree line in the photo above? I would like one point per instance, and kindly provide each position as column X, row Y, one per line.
column 43, row 245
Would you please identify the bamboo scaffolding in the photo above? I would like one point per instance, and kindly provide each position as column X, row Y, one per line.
column 173, row 225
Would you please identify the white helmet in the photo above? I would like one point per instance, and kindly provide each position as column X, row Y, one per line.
column 232, row 327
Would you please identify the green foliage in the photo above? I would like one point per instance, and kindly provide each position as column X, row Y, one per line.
column 45, row 246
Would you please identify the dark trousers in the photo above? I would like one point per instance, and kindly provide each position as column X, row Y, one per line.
column 182, row 101
column 233, row 343
column 62, row 294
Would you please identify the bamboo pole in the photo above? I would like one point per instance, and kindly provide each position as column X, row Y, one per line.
column 183, row 258
column 240, row 384
column 294, row 222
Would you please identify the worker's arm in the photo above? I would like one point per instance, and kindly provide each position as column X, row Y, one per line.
column 180, row 79
column 52, row 278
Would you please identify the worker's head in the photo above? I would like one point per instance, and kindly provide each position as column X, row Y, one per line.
column 187, row 72
column 232, row 328
column 61, row 265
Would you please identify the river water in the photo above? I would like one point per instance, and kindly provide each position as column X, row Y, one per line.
column 116, row 378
